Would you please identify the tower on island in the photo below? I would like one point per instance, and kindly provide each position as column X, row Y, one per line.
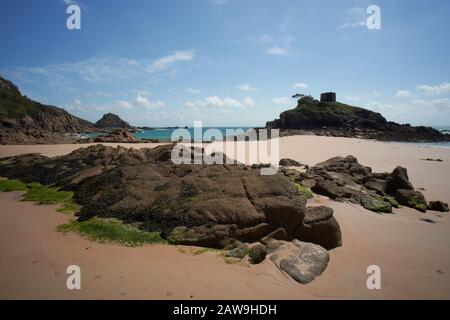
column 328, row 97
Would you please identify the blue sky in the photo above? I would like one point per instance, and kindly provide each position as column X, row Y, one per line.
column 228, row 62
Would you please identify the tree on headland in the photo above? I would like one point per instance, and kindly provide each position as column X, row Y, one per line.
column 301, row 96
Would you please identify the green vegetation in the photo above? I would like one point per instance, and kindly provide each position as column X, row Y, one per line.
column 7, row 185
column 40, row 194
column 111, row 230
column 415, row 203
column 304, row 190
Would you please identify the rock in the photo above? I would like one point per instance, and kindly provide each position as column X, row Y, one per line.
column 411, row 198
column 438, row 206
column 118, row 136
column 289, row 163
column 398, row 180
column 257, row 254
column 25, row 121
column 302, row 261
column 320, row 227
column 378, row 185
column 253, row 234
column 376, row 203
column 112, row 121
column 344, row 179
column 239, row 252
column 279, row 234
column 202, row 205
column 342, row 120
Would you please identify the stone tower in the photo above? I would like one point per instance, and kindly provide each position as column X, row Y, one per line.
column 328, row 97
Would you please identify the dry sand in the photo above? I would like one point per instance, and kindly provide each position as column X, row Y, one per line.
column 413, row 255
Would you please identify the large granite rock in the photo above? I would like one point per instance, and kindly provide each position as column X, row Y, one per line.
column 205, row 205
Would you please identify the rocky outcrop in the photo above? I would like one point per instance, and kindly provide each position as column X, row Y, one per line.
column 341, row 120
column 115, row 136
column 344, row 179
column 204, row 205
column 112, row 121
column 24, row 121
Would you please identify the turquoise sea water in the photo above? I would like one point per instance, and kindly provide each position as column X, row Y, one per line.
column 207, row 134
column 220, row 133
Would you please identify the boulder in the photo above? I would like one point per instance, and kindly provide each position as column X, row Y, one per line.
column 438, row 206
column 289, row 163
column 302, row 261
column 320, row 227
column 398, row 180
column 411, row 198
column 376, row 203
column 257, row 254
column 239, row 252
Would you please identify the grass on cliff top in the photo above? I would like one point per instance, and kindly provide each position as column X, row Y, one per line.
column 40, row 194
column 111, row 230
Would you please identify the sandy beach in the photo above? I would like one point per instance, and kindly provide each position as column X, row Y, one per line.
column 412, row 254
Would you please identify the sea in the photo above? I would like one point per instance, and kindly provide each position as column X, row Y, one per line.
column 220, row 133
column 207, row 134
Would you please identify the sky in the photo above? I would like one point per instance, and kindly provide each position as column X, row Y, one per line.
column 228, row 62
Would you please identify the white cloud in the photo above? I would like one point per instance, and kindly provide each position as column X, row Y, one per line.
column 443, row 88
column 166, row 62
column 245, row 87
column 356, row 18
column 277, row 51
column 300, row 85
column 78, row 102
column 403, row 93
column 442, row 104
column 142, row 92
column 249, row 102
column 124, row 104
column 193, row 91
column 282, row 100
column 215, row 101
column 146, row 103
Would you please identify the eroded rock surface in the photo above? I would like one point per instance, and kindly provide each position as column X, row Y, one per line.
column 204, row 205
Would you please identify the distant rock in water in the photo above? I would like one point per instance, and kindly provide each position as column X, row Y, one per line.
column 24, row 121
column 331, row 118
column 115, row 136
column 112, row 121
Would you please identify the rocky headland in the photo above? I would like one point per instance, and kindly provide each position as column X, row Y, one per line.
column 24, row 121
column 331, row 118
